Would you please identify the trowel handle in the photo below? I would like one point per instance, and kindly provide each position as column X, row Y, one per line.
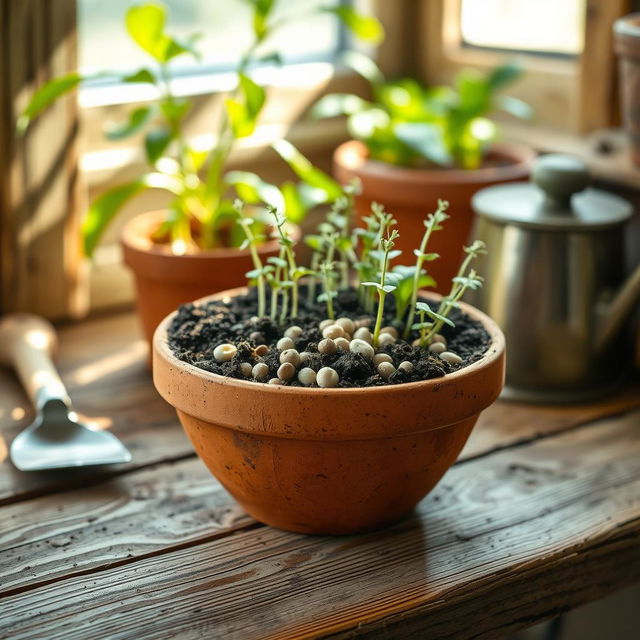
column 27, row 343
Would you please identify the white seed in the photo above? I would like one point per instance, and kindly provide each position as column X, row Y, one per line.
column 437, row 347
column 363, row 334
column 450, row 357
column 326, row 323
column 333, row 331
column 438, row 338
column 327, row 346
column 246, row 369
column 342, row 344
column 347, row 324
column 286, row 371
column 392, row 331
column 327, row 378
column 362, row 347
column 307, row 376
column 290, row 355
column 224, row 352
column 406, row 366
column 385, row 339
column 275, row 381
column 382, row 357
column 305, row 356
column 261, row 350
column 285, row 343
column 363, row 322
column 416, row 342
column 386, row 370
column 293, row 332
column 254, row 319
column 260, row 371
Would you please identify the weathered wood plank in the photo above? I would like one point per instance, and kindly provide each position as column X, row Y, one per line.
column 103, row 363
column 48, row 538
column 504, row 540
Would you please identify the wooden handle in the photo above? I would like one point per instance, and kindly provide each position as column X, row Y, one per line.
column 27, row 344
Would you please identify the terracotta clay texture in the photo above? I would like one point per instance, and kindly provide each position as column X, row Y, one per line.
column 627, row 46
column 328, row 461
column 164, row 281
column 410, row 194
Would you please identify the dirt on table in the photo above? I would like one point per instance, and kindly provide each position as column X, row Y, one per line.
column 198, row 329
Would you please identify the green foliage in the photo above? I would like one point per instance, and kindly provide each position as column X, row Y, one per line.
column 412, row 125
column 160, row 126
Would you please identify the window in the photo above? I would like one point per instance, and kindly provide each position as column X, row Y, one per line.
column 534, row 26
column 571, row 86
column 224, row 27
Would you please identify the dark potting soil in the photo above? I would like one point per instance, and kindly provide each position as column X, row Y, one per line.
column 198, row 329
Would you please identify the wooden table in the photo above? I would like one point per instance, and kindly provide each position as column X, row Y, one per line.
column 540, row 514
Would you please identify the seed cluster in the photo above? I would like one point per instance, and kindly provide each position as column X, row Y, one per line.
column 341, row 335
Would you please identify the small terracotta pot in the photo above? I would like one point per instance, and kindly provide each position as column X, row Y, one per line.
column 328, row 461
column 164, row 281
column 626, row 32
column 410, row 194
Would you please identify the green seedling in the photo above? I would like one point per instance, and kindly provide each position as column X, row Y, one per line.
column 432, row 223
column 466, row 278
column 403, row 278
column 382, row 288
column 328, row 277
column 424, row 311
column 252, row 242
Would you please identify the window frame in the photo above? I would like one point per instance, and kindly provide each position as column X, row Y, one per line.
column 576, row 94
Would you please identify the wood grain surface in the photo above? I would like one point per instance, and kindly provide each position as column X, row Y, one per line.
column 540, row 514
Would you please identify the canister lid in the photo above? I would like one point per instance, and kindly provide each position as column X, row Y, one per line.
column 557, row 198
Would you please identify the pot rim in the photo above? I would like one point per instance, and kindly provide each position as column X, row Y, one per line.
column 358, row 162
column 494, row 351
column 135, row 237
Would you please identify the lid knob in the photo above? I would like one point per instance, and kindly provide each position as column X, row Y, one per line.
column 560, row 176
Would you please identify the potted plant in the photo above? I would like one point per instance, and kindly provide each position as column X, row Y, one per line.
column 332, row 413
column 194, row 247
column 413, row 142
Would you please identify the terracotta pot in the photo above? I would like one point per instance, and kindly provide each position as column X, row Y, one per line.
column 410, row 194
column 328, row 461
column 165, row 281
column 627, row 45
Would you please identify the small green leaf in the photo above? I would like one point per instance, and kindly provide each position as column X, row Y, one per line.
column 140, row 76
column 366, row 28
column 137, row 119
column 155, row 143
column 294, row 207
column 306, row 171
column 45, row 96
column 504, row 74
column 145, row 24
column 441, row 318
column 423, row 306
column 252, row 189
column 278, row 262
column 426, row 139
column 515, row 107
column 102, row 211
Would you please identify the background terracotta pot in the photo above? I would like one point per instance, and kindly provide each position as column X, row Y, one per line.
column 328, row 461
column 164, row 281
column 627, row 45
column 410, row 194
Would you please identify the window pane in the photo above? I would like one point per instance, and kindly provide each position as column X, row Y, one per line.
column 542, row 26
column 225, row 26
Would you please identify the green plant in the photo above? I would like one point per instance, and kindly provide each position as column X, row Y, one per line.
column 382, row 287
column 201, row 208
column 409, row 124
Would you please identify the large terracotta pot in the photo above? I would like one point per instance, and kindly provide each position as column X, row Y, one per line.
column 164, row 281
column 410, row 194
column 627, row 45
column 328, row 461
